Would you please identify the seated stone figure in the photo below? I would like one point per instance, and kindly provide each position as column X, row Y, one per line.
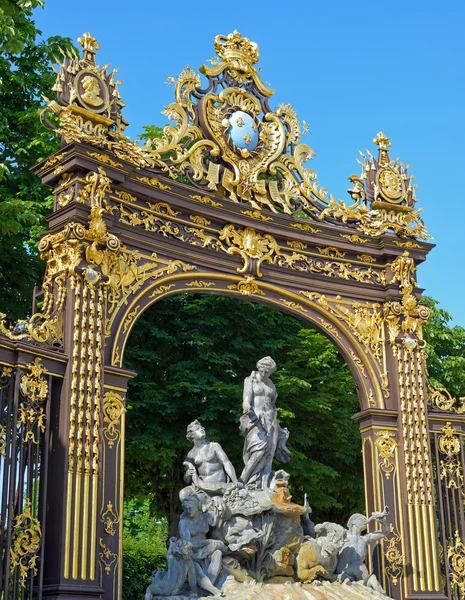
column 207, row 466
column 351, row 563
column 180, row 567
column 318, row 556
column 194, row 526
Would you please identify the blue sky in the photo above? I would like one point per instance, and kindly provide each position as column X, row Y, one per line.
column 351, row 69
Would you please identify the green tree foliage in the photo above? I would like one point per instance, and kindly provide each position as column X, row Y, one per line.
column 144, row 548
column 25, row 76
column 445, row 350
column 15, row 24
column 192, row 353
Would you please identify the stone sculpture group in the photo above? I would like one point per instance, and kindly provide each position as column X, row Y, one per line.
column 240, row 534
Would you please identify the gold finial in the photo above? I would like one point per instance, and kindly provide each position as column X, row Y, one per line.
column 234, row 46
column 382, row 141
column 89, row 43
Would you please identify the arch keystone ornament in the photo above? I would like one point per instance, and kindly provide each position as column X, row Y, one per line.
column 223, row 203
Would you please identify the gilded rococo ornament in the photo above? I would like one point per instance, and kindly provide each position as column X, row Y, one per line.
column 226, row 138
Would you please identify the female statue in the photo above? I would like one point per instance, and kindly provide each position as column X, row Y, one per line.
column 259, row 425
column 207, row 466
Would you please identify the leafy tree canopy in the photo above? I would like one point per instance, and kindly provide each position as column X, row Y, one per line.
column 25, row 76
column 445, row 350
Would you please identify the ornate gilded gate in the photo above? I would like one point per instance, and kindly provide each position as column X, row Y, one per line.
column 222, row 203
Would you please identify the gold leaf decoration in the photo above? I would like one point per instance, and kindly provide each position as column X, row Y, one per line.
column 154, row 182
column 331, row 251
column 200, row 284
column 305, row 227
column 386, row 444
column 113, row 410
column 256, row 214
column 25, row 546
column 205, row 200
column 104, row 158
column 247, row 287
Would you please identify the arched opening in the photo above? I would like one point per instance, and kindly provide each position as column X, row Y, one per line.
column 192, row 353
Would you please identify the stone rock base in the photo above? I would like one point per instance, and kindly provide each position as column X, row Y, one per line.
column 289, row 591
column 297, row 591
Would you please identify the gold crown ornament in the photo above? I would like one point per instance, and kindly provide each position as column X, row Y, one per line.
column 235, row 47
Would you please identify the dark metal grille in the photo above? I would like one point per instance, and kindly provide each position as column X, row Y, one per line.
column 24, row 443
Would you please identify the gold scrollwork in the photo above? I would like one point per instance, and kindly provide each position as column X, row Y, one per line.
column 331, row 251
column 394, row 558
column 456, row 558
column 358, row 363
column 294, row 306
column 450, row 468
column 305, row 227
column 247, row 287
column 366, row 258
column 25, row 546
column 104, row 158
column 296, row 244
column 113, row 409
column 161, row 289
column 31, row 415
column 200, row 284
column 126, row 196
column 110, row 519
column 410, row 245
column 205, row 200
column 95, row 189
column 154, row 182
column 198, row 220
column 256, row 214
column 3, row 441
column 107, row 557
column 440, row 398
column 354, row 238
column 386, row 444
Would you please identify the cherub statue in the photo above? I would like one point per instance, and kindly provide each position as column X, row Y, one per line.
column 351, row 562
column 180, row 567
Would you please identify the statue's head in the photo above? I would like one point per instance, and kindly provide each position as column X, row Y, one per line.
column 90, row 85
column 181, row 549
column 191, row 505
column 195, row 431
column 357, row 522
column 266, row 366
